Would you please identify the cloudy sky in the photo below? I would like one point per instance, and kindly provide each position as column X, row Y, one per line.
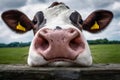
column 84, row 7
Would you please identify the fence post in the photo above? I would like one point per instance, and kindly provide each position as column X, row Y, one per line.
column 95, row 72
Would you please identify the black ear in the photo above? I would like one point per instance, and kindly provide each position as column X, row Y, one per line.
column 17, row 21
column 97, row 21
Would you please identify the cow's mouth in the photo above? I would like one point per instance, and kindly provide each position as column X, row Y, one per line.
column 61, row 63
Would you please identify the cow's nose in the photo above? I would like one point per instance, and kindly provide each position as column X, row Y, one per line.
column 63, row 44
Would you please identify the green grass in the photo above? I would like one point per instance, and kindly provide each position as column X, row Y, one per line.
column 101, row 54
column 106, row 53
column 13, row 55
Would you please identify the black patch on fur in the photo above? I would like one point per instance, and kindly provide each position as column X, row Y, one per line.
column 58, row 28
column 76, row 19
column 38, row 21
column 55, row 4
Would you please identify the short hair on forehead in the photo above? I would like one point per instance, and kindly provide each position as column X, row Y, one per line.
column 55, row 4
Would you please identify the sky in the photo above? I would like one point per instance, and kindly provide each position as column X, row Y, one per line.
column 84, row 7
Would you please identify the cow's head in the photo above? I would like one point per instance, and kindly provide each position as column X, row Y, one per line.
column 58, row 34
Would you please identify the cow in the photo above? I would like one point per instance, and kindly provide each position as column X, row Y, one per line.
column 58, row 34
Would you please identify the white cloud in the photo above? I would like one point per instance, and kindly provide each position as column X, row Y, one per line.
column 116, row 5
column 85, row 7
column 8, row 4
column 30, row 10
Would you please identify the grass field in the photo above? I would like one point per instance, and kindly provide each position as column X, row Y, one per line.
column 106, row 53
column 101, row 54
column 13, row 55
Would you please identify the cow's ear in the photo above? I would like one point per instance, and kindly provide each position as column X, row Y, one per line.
column 97, row 21
column 17, row 21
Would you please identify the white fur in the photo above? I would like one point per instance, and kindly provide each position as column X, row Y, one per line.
column 59, row 16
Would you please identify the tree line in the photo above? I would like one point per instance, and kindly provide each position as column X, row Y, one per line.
column 15, row 44
column 91, row 42
column 103, row 41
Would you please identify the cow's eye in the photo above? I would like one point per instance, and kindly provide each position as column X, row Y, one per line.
column 75, row 17
column 81, row 21
column 38, row 18
column 34, row 21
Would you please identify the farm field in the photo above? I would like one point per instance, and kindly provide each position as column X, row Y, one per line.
column 13, row 55
column 108, row 53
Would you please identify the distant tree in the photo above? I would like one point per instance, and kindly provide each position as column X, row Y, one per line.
column 103, row 41
column 13, row 44
column 2, row 45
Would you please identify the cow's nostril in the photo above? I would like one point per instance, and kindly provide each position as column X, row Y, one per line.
column 41, row 43
column 77, row 44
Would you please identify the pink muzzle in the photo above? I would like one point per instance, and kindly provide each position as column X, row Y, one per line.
column 62, row 44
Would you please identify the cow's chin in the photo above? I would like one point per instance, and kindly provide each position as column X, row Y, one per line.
column 36, row 60
column 57, row 63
